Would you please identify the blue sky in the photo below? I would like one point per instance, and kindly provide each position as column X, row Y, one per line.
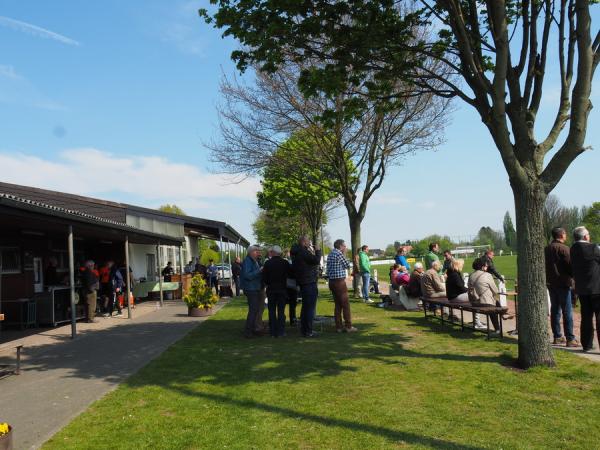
column 115, row 99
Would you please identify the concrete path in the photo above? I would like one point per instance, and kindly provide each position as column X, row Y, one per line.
column 61, row 377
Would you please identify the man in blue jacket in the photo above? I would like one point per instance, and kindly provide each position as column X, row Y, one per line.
column 250, row 282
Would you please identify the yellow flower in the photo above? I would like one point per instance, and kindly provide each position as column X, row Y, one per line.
column 3, row 428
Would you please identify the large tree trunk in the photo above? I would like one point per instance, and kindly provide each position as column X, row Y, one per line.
column 355, row 221
column 534, row 344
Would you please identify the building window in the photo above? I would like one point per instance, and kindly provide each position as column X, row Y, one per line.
column 150, row 266
column 10, row 260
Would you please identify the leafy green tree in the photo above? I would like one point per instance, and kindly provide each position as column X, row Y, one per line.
column 493, row 55
column 283, row 231
column 492, row 238
column 390, row 250
column 510, row 235
column 421, row 247
column 172, row 209
column 285, row 196
column 592, row 221
column 208, row 249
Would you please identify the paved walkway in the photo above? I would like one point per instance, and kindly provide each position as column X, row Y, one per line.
column 61, row 377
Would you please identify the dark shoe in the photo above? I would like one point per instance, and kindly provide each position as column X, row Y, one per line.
column 573, row 343
column 311, row 335
column 589, row 349
column 560, row 340
column 351, row 330
column 293, row 322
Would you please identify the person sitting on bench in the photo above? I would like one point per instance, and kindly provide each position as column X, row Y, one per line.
column 482, row 289
column 400, row 276
column 455, row 284
column 432, row 283
column 413, row 288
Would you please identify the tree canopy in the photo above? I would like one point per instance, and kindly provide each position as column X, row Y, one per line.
column 493, row 55
column 309, row 192
column 173, row 209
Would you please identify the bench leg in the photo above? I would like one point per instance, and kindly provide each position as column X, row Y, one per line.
column 501, row 331
column 487, row 323
column 462, row 320
column 18, row 371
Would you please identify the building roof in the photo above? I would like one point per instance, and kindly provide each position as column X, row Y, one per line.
column 15, row 202
column 116, row 213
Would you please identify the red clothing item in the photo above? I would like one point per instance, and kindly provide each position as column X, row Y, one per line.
column 104, row 274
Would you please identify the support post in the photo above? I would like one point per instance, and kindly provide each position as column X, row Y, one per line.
column 229, row 262
column 160, row 280
column 129, row 312
column 72, row 282
column 222, row 257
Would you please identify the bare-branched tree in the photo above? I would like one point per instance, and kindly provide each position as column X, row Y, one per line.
column 355, row 151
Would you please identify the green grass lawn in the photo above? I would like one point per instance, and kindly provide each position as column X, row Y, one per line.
column 401, row 382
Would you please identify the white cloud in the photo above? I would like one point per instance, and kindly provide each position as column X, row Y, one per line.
column 149, row 180
column 36, row 31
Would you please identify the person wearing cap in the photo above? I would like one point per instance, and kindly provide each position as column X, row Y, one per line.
column 168, row 272
column 274, row 275
column 413, row 288
column 250, row 282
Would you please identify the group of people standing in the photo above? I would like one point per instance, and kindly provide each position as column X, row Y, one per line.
column 109, row 282
column 279, row 279
column 573, row 270
column 210, row 273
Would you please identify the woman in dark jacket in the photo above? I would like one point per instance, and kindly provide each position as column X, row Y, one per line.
column 455, row 284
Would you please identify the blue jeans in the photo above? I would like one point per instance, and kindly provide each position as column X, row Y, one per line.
column 276, row 306
column 309, row 293
column 560, row 301
column 236, row 281
column 366, row 284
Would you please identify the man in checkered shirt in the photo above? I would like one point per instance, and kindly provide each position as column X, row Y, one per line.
column 336, row 272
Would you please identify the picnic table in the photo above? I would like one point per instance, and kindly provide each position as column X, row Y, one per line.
column 142, row 289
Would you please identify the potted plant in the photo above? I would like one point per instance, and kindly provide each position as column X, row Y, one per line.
column 200, row 298
column 5, row 436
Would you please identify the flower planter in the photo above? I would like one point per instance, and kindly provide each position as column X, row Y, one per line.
column 200, row 312
column 6, row 440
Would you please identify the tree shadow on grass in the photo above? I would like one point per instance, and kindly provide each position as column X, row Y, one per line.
column 217, row 354
column 446, row 328
column 395, row 436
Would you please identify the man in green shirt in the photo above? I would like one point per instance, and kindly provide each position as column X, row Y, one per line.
column 364, row 266
column 432, row 256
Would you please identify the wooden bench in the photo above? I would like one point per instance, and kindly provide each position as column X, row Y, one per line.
column 18, row 345
column 486, row 310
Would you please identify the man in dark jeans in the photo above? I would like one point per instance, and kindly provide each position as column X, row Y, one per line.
column 559, row 280
column 236, row 271
column 585, row 260
column 274, row 275
column 305, row 263
column 292, row 292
